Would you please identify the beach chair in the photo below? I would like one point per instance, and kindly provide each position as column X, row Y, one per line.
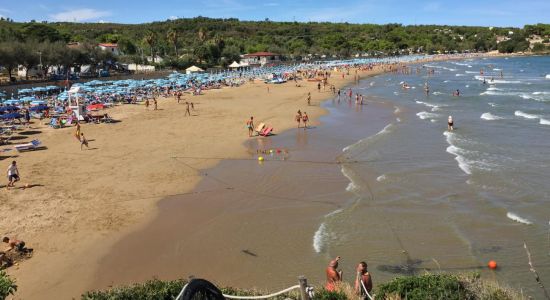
column 54, row 124
column 29, row 146
column 260, row 127
column 267, row 131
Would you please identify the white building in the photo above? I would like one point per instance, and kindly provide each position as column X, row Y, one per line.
column 261, row 58
column 113, row 48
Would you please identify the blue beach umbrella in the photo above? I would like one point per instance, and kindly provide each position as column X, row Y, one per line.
column 13, row 115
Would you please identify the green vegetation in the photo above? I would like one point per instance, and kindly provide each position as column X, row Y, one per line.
column 444, row 286
column 428, row 286
column 7, row 285
column 217, row 42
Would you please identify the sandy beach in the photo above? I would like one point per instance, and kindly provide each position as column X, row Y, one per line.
column 81, row 202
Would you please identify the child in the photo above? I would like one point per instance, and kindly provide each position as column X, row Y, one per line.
column 83, row 142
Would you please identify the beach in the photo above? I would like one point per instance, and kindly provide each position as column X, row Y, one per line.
column 163, row 195
column 82, row 202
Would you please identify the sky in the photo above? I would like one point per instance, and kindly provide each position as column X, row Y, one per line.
column 514, row 13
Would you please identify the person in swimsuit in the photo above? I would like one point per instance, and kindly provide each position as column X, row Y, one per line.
column 146, row 103
column 155, row 103
column 13, row 174
column 250, row 126
column 83, row 142
column 77, row 133
column 305, row 119
column 333, row 275
column 298, row 117
column 14, row 244
column 308, row 99
column 363, row 281
column 187, row 111
column 450, row 123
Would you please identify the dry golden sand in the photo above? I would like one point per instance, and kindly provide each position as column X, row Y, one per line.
column 84, row 201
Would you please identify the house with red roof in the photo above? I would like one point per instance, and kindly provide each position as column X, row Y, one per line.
column 261, row 58
column 113, row 48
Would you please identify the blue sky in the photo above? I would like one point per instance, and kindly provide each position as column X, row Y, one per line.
column 459, row 12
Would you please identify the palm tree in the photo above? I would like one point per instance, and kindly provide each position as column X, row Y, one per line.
column 172, row 36
column 150, row 38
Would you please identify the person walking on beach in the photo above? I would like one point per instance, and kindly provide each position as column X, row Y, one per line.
column 363, row 281
column 13, row 174
column 333, row 275
column 298, row 117
column 83, row 142
column 77, row 132
column 187, row 110
column 450, row 123
column 305, row 119
column 146, row 103
column 308, row 98
column 250, row 126
column 155, row 104
column 319, row 87
column 339, row 92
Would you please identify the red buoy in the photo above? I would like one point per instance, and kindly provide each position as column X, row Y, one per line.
column 492, row 264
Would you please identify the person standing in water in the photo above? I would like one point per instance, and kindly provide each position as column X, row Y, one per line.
column 450, row 123
column 305, row 119
column 426, row 88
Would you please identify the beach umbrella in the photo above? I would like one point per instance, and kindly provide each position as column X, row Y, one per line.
column 8, row 108
column 13, row 115
column 12, row 102
column 40, row 107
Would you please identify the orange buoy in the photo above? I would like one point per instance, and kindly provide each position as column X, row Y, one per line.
column 492, row 264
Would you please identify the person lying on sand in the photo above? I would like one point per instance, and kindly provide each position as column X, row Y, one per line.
column 16, row 244
column 5, row 261
column 333, row 274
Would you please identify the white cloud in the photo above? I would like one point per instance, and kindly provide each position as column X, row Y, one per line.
column 79, row 15
column 172, row 18
column 271, row 4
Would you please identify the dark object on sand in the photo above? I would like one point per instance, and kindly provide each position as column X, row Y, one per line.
column 248, row 252
column 200, row 289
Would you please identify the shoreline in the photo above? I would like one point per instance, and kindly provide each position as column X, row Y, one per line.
column 90, row 241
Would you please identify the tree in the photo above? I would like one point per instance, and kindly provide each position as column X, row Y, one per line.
column 172, row 37
column 150, row 38
column 29, row 56
column 9, row 57
column 539, row 47
column 41, row 33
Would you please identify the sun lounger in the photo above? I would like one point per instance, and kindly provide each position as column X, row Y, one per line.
column 54, row 123
column 267, row 131
column 29, row 146
column 260, row 127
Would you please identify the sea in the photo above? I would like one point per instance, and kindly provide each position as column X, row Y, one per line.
column 384, row 182
column 453, row 200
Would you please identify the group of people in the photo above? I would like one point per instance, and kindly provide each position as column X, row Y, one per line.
column 363, row 279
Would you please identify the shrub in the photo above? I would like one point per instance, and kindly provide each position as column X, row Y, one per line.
column 152, row 289
column 327, row 295
column 7, row 285
column 431, row 286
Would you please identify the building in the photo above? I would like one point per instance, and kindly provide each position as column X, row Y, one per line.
column 261, row 58
column 113, row 48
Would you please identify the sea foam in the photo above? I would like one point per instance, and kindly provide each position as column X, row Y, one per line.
column 519, row 113
column 490, row 117
column 515, row 217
